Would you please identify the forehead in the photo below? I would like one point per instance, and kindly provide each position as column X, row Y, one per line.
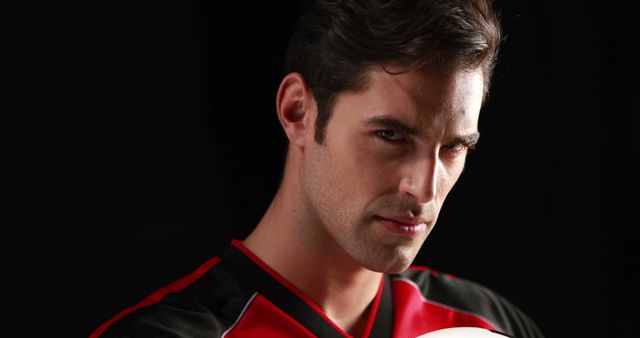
column 437, row 89
column 425, row 98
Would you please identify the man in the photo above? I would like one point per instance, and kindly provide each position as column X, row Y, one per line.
column 380, row 104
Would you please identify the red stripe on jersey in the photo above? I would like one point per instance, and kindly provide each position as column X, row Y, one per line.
column 159, row 294
column 374, row 310
column 263, row 319
column 415, row 315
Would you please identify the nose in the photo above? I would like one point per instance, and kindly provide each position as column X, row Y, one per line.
column 420, row 179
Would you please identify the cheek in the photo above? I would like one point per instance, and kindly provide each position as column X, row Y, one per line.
column 374, row 169
column 448, row 177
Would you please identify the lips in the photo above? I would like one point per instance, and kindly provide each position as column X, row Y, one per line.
column 405, row 220
column 411, row 227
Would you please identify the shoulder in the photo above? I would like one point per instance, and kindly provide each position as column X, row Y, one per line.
column 203, row 303
column 465, row 296
column 167, row 320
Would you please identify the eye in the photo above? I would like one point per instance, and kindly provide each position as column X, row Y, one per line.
column 455, row 147
column 390, row 135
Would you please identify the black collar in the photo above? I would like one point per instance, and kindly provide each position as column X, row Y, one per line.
column 249, row 268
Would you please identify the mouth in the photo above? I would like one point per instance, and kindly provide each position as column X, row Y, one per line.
column 405, row 227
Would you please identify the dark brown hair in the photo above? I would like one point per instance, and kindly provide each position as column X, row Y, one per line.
column 335, row 41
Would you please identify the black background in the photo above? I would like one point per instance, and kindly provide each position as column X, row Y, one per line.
column 142, row 137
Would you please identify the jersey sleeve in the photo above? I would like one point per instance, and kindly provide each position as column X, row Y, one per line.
column 164, row 321
column 509, row 317
column 471, row 297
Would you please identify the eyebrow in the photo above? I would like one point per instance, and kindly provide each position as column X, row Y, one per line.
column 469, row 140
column 391, row 123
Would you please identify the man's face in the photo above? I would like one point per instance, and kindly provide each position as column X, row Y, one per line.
column 391, row 155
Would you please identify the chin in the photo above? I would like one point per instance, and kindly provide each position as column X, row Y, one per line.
column 398, row 267
column 388, row 269
column 392, row 264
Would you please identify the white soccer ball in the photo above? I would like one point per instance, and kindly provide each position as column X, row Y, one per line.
column 462, row 332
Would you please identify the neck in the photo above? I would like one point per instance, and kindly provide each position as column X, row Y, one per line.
column 312, row 261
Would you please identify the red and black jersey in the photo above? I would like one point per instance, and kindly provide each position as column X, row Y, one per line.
column 238, row 295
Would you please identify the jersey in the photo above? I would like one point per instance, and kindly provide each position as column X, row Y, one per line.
column 238, row 295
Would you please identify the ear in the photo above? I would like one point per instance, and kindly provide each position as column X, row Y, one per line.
column 296, row 106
